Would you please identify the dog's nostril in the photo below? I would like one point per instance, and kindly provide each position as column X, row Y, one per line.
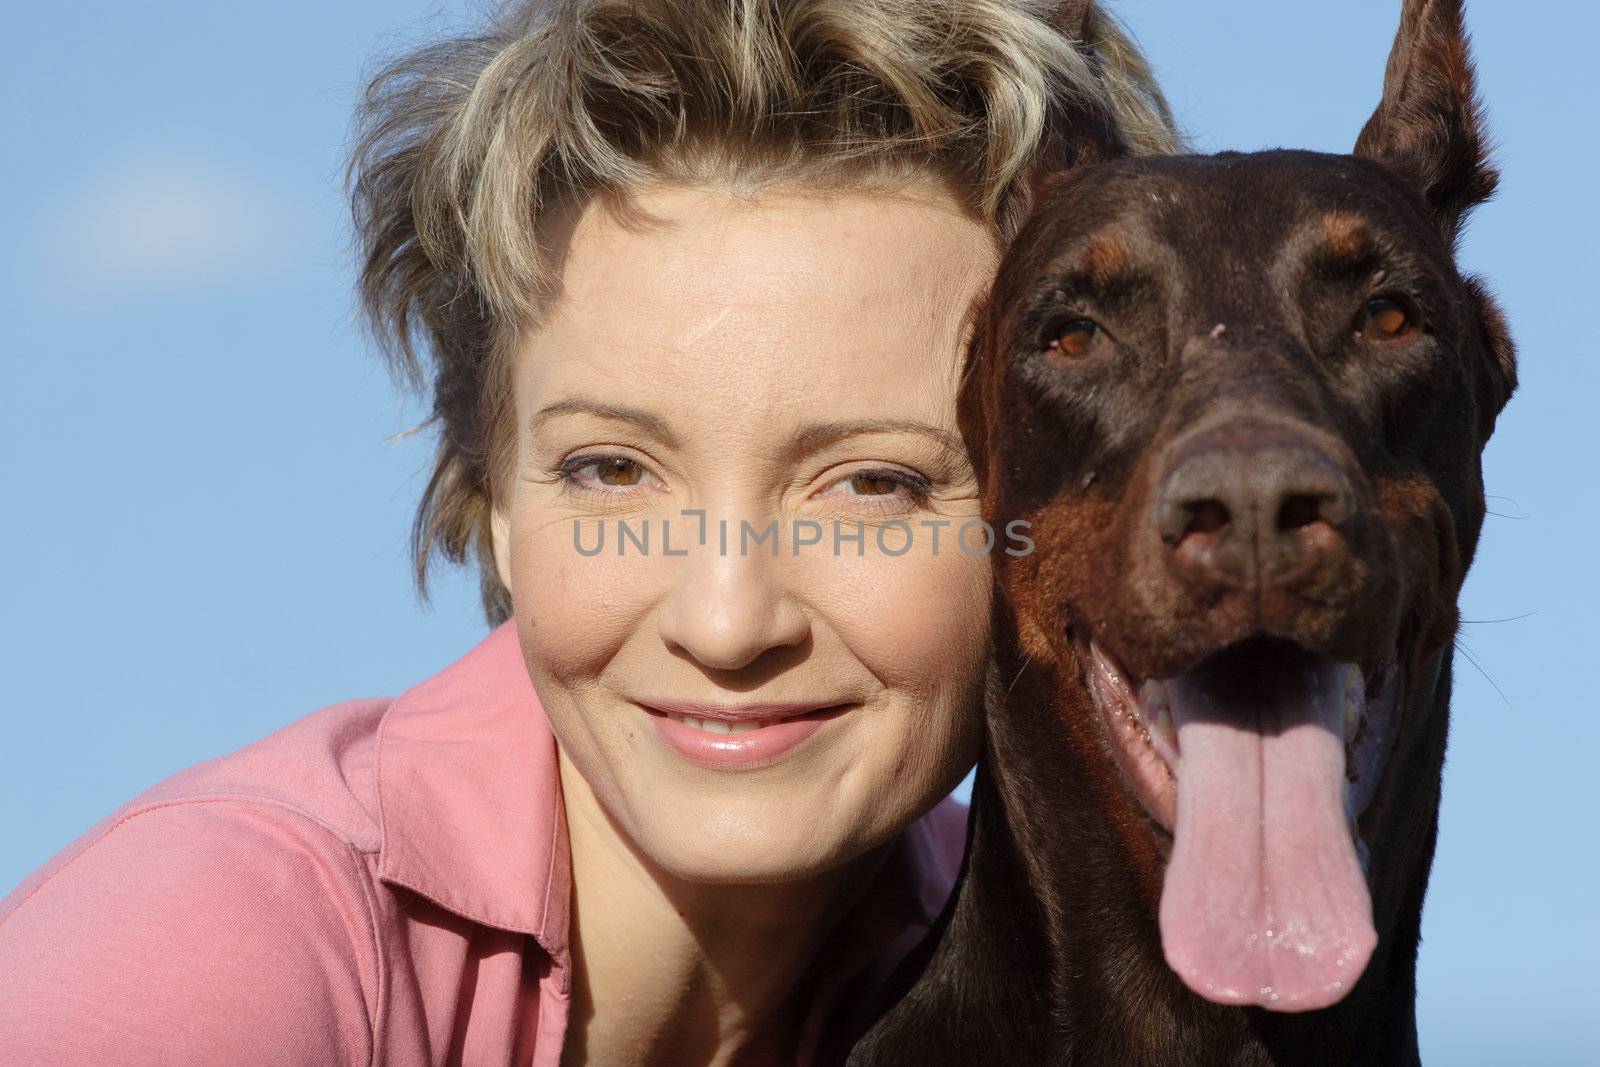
column 1299, row 510
column 1192, row 518
column 1247, row 503
column 1205, row 517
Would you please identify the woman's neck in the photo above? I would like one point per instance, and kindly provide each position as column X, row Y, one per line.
column 676, row 973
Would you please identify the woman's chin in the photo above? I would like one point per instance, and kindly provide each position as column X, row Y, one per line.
column 736, row 866
column 757, row 841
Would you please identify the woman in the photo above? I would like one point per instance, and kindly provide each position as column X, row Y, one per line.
column 693, row 279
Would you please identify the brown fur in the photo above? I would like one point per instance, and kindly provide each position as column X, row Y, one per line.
column 1228, row 286
column 1105, row 259
column 1347, row 237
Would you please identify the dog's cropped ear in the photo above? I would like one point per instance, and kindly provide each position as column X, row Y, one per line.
column 1429, row 125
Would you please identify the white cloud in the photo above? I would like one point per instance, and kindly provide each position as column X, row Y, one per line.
column 164, row 220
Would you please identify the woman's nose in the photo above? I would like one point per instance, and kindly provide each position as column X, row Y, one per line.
column 725, row 610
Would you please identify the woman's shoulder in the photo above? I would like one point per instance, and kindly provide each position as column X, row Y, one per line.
column 322, row 766
column 234, row 911
column 227, row 903
column 317, row 771
column 325, row 765
column 204, row 928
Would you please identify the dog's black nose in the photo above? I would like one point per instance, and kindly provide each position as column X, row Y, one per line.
column 1252, row 503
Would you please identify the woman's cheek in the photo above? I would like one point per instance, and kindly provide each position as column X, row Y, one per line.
column 574, row 610
column 918, row 621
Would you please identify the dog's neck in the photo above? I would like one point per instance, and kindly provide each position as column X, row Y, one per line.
column 1051, row 812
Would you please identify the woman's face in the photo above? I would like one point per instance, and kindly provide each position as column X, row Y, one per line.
column 731, row 366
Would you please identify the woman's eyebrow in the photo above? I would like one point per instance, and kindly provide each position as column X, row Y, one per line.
column 808, row 439
column 821, row 434
column 650, row 423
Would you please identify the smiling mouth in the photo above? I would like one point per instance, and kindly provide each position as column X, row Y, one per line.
column 737, row 722
column 739, row 718
column 718, row 726
column 1259, row 762
column 742, row 736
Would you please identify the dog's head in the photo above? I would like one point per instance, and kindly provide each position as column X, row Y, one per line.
column 1241, row 400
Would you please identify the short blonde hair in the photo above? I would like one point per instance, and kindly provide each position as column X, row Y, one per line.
column 464, row 144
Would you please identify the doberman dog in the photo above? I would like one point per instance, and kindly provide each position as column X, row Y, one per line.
column 1241, row 399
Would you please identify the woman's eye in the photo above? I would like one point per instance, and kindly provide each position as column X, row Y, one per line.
column 1075, row 339
column 1386, row 318
column 883, row 485
column 603, row 473
column 873, row 484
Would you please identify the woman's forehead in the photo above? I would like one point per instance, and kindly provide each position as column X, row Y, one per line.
column 793, row 291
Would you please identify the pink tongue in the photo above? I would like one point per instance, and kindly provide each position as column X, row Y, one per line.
column 1264, row 901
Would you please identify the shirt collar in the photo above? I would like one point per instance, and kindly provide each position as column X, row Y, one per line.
column 469, row 798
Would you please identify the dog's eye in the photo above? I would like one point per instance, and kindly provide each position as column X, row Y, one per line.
column 1075, row 339
column 1385, row 319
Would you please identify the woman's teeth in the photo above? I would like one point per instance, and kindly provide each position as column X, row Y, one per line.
column 720, row 726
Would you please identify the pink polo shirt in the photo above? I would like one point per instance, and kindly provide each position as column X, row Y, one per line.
column 384, row 881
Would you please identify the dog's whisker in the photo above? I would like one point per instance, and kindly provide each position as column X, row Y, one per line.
column 1511, row 618
column 1026, row 662
column 1461, row 648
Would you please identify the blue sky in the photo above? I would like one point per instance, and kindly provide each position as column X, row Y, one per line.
column 207, row 533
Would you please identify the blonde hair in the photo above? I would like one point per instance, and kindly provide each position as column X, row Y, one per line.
column 465, row 143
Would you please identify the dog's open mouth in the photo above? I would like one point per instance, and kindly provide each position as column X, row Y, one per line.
column 1259, row 761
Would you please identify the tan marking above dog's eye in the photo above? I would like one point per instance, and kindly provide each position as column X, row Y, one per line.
column 1075, row 339
column 1385, row 319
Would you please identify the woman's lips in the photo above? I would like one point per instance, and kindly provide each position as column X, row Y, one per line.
column 728, row 736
